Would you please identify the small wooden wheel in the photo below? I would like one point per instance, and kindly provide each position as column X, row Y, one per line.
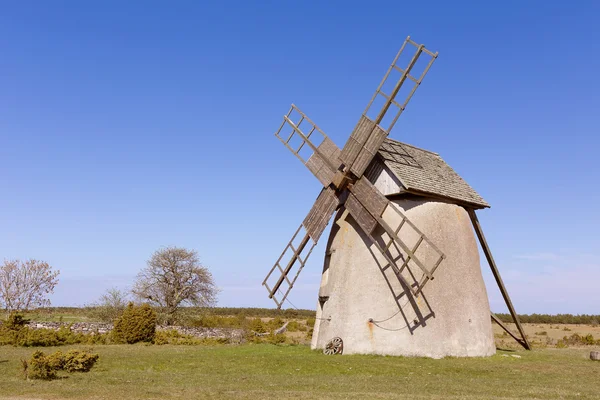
column 334, row 346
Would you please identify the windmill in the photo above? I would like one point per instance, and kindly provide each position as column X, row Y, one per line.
column 370, row 183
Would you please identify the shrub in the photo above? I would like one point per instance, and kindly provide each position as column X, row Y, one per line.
column 577, row 340
column 78, row 361
column 256, row 325
column 172, row 336
column 310, row 322
column 309, row 334
column 41, row 366
column 136, row 324
column 542, row 333
column 275, row 339
column 56, row 360
column 19, row 335
column 15, row 321
column 295, row 326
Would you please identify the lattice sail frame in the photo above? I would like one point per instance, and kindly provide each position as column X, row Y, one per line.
column 405, row 74
column 365, row 203
column 368, row 136
column 289, row 261
column 323, row 155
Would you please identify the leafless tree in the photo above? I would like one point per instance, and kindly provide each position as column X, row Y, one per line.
column 26, row 284
column 174, row 277
column 110, row 306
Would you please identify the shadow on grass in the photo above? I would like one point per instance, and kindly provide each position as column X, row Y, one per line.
column 508, row 350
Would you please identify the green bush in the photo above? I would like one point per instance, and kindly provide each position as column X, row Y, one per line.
column 56, row 360
column 78, row 361
column 295, row 326
column 136, row 324
column 172, row 336
column 29, row 337
column 275, row 339
column 256, row 325
column 15, row 321
column 578, row 340
column 310, row 322
column 41, row 366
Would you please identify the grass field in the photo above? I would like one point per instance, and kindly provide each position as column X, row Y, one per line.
column 286, row 372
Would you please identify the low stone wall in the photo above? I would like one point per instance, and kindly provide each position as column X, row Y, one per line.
column 95, row 327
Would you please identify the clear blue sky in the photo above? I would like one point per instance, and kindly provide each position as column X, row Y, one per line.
column 126, row 126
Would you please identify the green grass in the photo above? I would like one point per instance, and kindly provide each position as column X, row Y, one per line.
column 282, row 372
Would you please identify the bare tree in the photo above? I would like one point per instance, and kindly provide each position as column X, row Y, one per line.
column 110, row 306
column 174, row 277
column 26, row 284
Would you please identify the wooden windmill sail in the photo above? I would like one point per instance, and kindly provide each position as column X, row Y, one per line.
column 342, row 174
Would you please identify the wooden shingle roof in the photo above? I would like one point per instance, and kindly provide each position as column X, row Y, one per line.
column 426, row 173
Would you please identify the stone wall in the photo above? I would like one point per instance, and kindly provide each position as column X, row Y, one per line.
column 96, row 327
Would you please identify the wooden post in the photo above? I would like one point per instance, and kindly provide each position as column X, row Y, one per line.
column 492, row 263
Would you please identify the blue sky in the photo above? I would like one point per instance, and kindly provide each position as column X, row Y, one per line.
column 127, row 126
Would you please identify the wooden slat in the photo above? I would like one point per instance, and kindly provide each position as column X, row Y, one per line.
column 318, row 217
column 366, row 222
column 330, row 151
column 369, row 150
column 323, row 162
column 369, row 196
column 356, row 140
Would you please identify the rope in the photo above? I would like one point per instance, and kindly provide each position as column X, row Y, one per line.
column 293, row 306
column 376, row 323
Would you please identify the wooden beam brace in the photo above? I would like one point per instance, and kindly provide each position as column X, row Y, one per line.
column 501, row 324
column 496, row 273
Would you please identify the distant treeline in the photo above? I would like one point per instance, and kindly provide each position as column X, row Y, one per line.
column 294, row 313
column 553, row 319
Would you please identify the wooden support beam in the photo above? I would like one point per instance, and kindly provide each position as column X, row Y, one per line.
column 501, row 324
column 488, row 255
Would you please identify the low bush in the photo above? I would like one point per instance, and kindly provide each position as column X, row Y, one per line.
column 577, row 340
column 77, row 361
column 256, row 325
column 22, row 335
column 136, row 324
column 309, row 334
column 15, row 321
column 172, row 336
column 295, row 326
column 41, row 366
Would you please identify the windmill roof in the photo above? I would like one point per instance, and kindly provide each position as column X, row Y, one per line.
column 426, row 173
